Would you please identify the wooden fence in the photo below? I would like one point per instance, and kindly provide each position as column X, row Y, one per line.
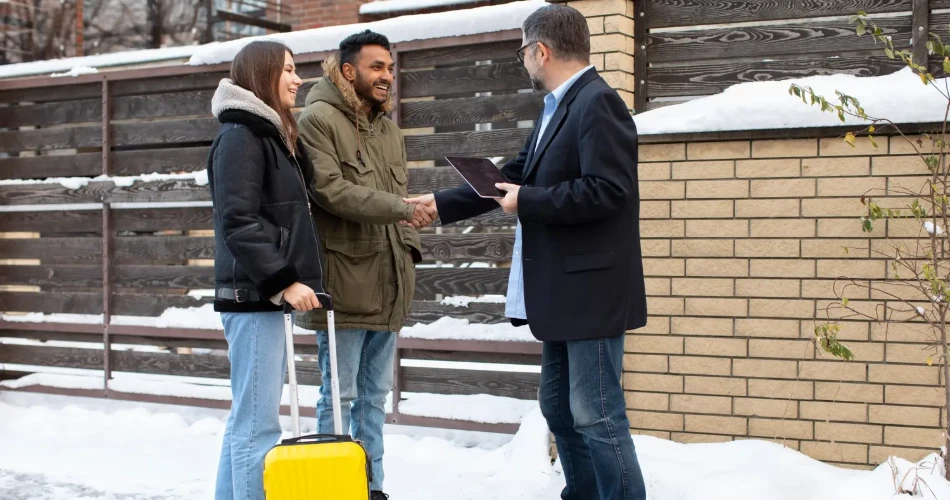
column 116, row 247
column 691, row 48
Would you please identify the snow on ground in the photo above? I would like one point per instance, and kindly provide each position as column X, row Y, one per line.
column 900, row 97
column 59, row 448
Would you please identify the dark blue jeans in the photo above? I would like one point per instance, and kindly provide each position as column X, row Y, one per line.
column 582, row 400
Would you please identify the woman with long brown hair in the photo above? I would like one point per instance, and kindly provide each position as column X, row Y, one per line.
column 266, row 250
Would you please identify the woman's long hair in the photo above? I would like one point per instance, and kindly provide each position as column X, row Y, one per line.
column 258, row 68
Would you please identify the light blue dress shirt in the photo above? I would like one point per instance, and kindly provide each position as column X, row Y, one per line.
column 514, row 303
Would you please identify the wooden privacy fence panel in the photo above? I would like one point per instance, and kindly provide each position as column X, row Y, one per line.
column 679, row 57
column 137, row 246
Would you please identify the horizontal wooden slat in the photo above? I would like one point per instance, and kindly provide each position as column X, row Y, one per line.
column 54, row 276
column 472, row 110
column 488, row 143
column 480, row 78
column 460, row 54
column 939, row 4
column 179, row 131
column 53, row 113
column 59, row 302
column 472, row 357
column 145, row 304
column 68, row 221
column 711, row 78
column 163, row 247
column 159, row 191
column 81, row 136
column 190, row 102
column 41, row 167
column 159, row 219
column 59, row 357
column 467, row 247
column 668, row 13
column 427, row 311
column 447, row 381
column 460, row 281
column 762, row 41
column 71, row 250
column 139, row 86
column 188, row 277
column 43, row 94
column 163, row 161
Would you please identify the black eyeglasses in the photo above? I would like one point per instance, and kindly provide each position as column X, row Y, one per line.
column 520, row 52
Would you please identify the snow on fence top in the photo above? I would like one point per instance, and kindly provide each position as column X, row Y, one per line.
column 386, row 6
column 401, row 29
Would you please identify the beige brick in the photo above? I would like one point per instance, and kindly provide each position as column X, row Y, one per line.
column 867, row 351
column 661, row 152
column 767, row 248
column 768, row 168
column 848, row 433
column 619, row 79
column 903, row 228
column 717, row 189
column 717, row 150
column 904, row 290
column 769, row 408
column 598, row 61
column 763, row 368
column 656, row 421
column 608, row 42
column 703, row 209
column 827, row 248
column 662, row 229
column 834, row 309
column 912, row 436
column 691, row 438
column 595, row 25
column 913, row 395
column 627, row 97
column 834, row 412
column 798, row 228
column 781, row 389
column 655, row 248
column 905, row 415
column 838, row 452
column 654, row 210
column 770, row 308
column 782, row 188
column 685, row 403
column 832, row 289
column 644, row 432
column 703, row 287
column 768, row 288
column 902, row 332
column 851, row 186
column 649, row 401
column 649, row 363
column 843, row 391
column 703, row 248
column 664, row 267
column 904, row 374
column 849, row 330
column 833, row 207
column 655, row 326
column 708, row 424
column 731, row 308
column 651, row 382
column 774, row 328
column 702, row 326
column 696, row 365
column 618, row 61
column 835, row 167
column 777, row 208
column 793, row 429
column 662, row 190
column 910, row 353
column 899, row 165
column 784, row 148
column 846, row 228
column 782, row 268
column 619, row 24
column 733, row 268
column 656, row 344
column 592, row 8
column 665, row 306
column 653, row 172
column 833, row 370
column 781, row 349
column 717, row 386
column 717, row 228
column 836, row 146
column 722, row 169
column 716, row 347
column 880, row 454
column 853, row 268
column 907, row 186
column 657, row 286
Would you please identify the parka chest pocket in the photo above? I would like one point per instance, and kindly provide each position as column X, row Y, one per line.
column 400, row 179
column 358, row 173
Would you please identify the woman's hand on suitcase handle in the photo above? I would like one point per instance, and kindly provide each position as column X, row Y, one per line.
column 302, row 297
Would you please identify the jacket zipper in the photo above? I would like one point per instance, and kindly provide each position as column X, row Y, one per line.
column 306, row 195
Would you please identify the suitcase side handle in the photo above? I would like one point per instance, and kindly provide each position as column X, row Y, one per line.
column 325, row 300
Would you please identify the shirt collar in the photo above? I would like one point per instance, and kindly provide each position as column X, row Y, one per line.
column 557, row 94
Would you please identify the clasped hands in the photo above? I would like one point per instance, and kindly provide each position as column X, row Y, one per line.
column 426, row 211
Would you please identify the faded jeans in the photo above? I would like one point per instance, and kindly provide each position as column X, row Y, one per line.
column 582, row 400
column 365, row 368
column 258, row 367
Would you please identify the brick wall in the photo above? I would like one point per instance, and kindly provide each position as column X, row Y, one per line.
column 611, row 41
column 742, row 243
column 319, row 13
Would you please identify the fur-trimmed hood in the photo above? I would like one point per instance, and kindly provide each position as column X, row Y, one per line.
column 334, row 89
column 231, row 97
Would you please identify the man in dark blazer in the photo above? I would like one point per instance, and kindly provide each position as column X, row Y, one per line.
column 577, row 273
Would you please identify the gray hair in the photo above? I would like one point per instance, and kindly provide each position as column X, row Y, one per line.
column 563, row 29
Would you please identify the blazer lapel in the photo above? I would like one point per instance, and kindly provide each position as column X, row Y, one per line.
column 557, row 119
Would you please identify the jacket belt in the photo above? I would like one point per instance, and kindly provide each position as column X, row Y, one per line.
column 238, row 294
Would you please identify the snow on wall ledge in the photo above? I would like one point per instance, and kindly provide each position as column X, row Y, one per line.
column 402, row 29
column 900, row 97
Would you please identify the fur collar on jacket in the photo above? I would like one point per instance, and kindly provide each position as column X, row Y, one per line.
column 230, row 97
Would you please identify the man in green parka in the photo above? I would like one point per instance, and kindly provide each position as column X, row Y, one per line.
column 369, row 239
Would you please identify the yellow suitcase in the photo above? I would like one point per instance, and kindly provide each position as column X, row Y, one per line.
column 316, row 466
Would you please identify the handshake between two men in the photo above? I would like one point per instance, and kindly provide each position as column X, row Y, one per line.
column 426, row 211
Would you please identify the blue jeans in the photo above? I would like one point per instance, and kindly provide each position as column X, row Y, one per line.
column 582, row 400
column 258, row 367
column 365, row 367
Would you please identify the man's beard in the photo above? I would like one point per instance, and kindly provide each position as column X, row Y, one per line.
column 364, row 90
column 537, row 81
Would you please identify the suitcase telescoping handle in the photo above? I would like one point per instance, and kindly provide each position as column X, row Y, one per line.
column 327, row 302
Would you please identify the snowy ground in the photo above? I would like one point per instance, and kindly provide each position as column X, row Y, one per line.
column 59, row 448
